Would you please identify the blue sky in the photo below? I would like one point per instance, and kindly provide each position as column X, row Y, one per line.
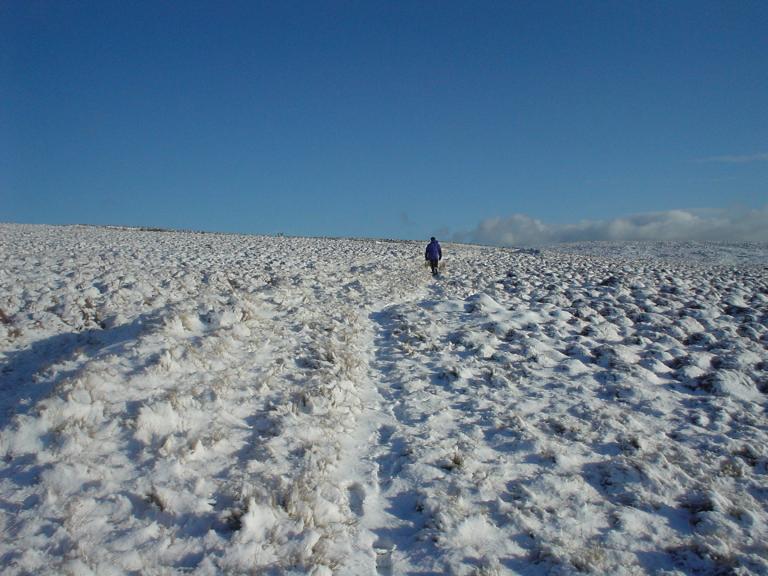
column 383, row 119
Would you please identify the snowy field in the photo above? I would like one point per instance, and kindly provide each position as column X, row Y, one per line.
column 181, row 403
column 736, row 254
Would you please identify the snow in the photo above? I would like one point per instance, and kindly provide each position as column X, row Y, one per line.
column 203, row 404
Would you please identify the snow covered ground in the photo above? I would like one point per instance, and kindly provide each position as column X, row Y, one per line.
column 203, row 404
column 708, row 253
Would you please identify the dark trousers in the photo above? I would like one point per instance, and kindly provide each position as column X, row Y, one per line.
column 433, row 265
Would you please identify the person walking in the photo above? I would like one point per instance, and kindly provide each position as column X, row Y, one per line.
column 433, row 254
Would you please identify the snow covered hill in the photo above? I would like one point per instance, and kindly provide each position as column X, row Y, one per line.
column 204, row 404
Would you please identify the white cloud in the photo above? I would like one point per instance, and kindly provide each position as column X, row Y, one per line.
column 728, row 225
column 744, row 159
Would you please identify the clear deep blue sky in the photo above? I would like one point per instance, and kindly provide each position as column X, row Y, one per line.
column 386, row 119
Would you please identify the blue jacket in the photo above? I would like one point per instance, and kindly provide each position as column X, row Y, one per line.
column 433, row 251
